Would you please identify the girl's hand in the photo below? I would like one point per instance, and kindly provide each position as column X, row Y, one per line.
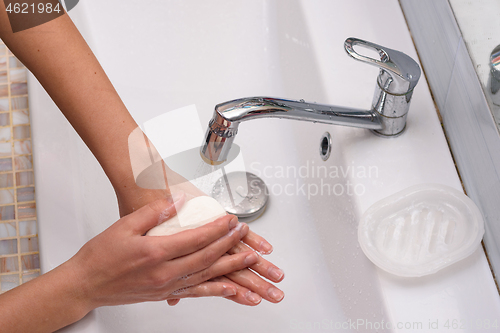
column 121, row 265
column 251, row 288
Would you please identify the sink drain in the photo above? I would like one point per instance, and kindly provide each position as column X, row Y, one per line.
column 242, row 194
column 325, row 146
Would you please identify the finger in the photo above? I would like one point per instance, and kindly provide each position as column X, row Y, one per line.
column 258, row 243
column 224, row 265
column 243, row 295
column 200, row 260
column 262, row 266
column 256, row 284
column 173, row 301
column 192, row 240
column 152, row 214
column 206, row 289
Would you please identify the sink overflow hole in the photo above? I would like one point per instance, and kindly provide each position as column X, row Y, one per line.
column 325, row 146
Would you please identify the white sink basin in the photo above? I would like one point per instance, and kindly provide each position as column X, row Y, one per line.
column 164, row 55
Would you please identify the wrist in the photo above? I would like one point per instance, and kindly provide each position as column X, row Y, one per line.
column 75, row 287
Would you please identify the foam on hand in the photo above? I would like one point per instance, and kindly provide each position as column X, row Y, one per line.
column 194, row 213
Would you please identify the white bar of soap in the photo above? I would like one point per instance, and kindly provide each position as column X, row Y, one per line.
column 194, row 213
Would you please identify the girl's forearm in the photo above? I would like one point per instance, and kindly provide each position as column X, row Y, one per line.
column 61, row 60
column 45, row 304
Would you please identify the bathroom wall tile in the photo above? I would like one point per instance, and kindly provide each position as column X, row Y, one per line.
column 24, row 178
column 23, row 162
column 6, row 196
column 7, row 282
column 26, row 210
column 4, row 105
column 27, row 228
column 25, row 194
column 4, row 90
column 9, row 264
column 5, row 149
column 18, row 75
column 8, row 229
column 8, row 246
column 5, row 133
column 5, row 118
column 20, row 118
column 14, row 62
column 4, row 78
column 7, row 213
column 21, row 132
column 30, row 276
column 5, row 164
column 30, row 262
column 29, row 244
column 19, row 103
column 6, row 180
column 22, row 147
column 18, row 89
column 15, row 154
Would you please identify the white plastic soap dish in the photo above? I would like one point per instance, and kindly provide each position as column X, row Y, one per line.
column 420, row 230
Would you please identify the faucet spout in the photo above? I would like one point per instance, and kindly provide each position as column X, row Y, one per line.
column 223, row 126
column 398, row 76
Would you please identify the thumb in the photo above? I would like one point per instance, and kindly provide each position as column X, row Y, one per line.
column 153, row 214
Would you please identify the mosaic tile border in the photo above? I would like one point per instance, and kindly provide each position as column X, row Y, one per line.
column 19, row 255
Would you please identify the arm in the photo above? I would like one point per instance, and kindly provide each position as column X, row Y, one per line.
column 61, row 60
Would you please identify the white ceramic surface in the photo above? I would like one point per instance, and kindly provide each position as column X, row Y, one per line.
column 163, row 55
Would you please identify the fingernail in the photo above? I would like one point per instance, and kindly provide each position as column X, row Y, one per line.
column 251, row 259
column 233, row 223
column 252, row 297
column 275, row 294
column 228, row 291
column 275, row 273
column 241, row 229
column 265, row 247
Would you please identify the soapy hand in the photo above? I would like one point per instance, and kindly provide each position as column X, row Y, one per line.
column 121, row 265
column 251, row 287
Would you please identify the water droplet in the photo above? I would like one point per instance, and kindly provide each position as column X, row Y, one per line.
column 302, row 101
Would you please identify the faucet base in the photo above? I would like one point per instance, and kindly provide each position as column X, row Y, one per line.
column 383, row 135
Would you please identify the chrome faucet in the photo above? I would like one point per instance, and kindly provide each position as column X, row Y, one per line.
column 398, row 75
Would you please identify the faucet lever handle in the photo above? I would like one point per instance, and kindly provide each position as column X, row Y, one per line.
column 399, row 66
